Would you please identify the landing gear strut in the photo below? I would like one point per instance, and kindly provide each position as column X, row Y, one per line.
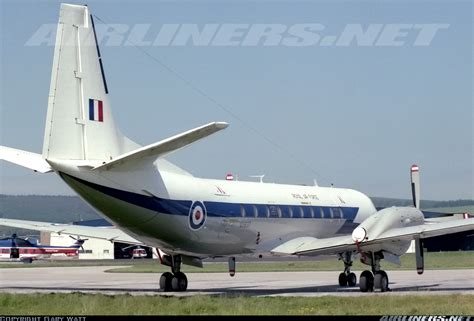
column 347, row 278
column 375, row 279
column 175, row 281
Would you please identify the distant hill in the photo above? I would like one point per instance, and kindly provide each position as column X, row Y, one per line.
column 58, row 209
column 425, row 204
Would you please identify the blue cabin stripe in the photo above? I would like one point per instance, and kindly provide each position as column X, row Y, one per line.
column 224, row 209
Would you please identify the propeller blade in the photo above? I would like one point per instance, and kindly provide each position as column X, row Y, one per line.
column 415, row 185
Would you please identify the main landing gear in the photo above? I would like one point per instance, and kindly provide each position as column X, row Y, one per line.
column 175, row 281
column 375, row 279
column 347, row 278
column 368, row 280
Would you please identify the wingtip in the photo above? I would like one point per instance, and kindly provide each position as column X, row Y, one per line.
column 222, row 125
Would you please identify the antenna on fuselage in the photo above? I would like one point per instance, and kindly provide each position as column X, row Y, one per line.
column 258, row 176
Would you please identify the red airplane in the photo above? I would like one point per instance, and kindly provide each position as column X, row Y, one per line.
column 15, row 248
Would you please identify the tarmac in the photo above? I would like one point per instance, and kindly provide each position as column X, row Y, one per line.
column 305, row 284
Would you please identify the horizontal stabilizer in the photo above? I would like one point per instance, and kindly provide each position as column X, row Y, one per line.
column 106, row 233
column 333, row 245
column 165, row 146
column 29, row 160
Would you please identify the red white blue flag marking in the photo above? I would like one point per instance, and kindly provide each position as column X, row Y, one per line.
column 96, row 110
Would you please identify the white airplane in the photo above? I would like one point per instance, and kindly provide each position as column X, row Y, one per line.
column 190, row 218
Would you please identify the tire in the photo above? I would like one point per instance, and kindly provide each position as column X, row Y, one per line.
column 366, row 281
column 351, row 279
column 342, row 279
column 165, row 281
column 179, row 282
column 381, row 281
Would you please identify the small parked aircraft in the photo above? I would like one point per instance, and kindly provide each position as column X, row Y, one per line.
column 135, row 251
column 15, row 248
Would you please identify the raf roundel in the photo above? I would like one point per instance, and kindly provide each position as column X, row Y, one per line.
column 197, row 215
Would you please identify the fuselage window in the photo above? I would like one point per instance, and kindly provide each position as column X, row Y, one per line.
column 336, row 212
column 285, row 211
column 262, row 211
column 308, row 212
column 267, row 211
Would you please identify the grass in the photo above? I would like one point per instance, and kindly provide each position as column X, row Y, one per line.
column 373, row 304
column 433, row 261
column 100, row 304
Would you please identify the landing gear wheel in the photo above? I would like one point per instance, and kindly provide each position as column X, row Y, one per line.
column 342, row 279
column 179, row 282
column 165, row 281
column 381, row 281
column 366, row 281
column 351, row 279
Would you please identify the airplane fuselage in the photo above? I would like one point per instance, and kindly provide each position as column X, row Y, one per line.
column 180, row 213
column 25, row 251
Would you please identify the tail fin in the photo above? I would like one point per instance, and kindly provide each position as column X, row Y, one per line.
column 79, row 123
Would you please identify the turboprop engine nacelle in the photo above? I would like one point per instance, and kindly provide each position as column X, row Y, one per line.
column 385, row 219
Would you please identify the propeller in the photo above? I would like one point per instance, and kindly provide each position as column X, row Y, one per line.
column 415, row 185
column 359, row 234
column 415, row 192
column 79, row 241
column 127, row 247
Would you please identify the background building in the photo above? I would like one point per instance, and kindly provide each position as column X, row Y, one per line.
column 94, row 248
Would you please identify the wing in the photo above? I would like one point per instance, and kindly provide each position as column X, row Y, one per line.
column 165, row 146
column 105, row 233
column 312, row 246
column 26, row 159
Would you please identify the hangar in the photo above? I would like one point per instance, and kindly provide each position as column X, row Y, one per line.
column 95, row 248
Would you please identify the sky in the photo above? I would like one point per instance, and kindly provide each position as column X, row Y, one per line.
column 353, row 113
